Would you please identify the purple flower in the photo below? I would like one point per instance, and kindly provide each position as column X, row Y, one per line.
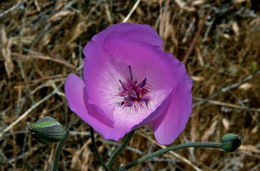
column 129, row 82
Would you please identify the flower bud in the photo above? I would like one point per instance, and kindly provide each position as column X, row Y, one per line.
column 230, row 142
column 48, row 130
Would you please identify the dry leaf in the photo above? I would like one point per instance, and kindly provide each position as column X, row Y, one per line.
column 6, row 52
column 198, row 2
column 184, row 6
column 249, row 148
column 239, row 1
column 245, row 86
column 225, row 123
column 210, row 131
column 197, row 78
column 60, row 15
column 235, row 28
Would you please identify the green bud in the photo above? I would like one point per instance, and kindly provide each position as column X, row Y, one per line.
column 230, row 142
column 48, row 130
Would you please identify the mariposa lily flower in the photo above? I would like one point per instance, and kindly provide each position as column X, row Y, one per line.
column 129, row 81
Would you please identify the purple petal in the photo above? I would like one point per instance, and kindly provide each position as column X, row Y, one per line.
column 103, row 92
column 145, row 60
column 102, row 76
column 74, row 91
column 169, row 125
column 107, row 59
column 130, row 31
column 133, row 116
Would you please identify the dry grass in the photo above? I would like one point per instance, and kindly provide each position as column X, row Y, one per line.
column 41, row 43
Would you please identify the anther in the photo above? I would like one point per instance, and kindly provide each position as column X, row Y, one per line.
column 143, row 83
column 123, row 86
column 133, row 91
column 130, row 71
column 133, row 95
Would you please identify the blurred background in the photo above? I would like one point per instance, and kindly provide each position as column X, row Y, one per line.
column 41, row 42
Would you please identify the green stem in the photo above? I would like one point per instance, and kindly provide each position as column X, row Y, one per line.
column 177, row 147
column 119, row 149
column 96, row 150
column 57, row 153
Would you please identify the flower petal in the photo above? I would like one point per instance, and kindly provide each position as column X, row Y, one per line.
column 102, row 76
column 74, row 91
column 107, row 57
column 104, row 93
column 130, row 31
column 145, row 60
column 115, row 132
column 133, row 116
column 169, row 125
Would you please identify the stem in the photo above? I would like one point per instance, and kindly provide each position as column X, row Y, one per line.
column 96, row 150
column 177, row 147
column 119, row 149
column 57, row 153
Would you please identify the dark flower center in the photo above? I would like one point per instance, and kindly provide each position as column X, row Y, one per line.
column 133, row 91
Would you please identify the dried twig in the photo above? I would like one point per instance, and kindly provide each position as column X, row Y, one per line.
column 192, row 45
column 131, row 11
column 227, row 88
column 18, row 5
column 171, row 152
column 6, row 52
column 25, row 114
column 215, row 102
column 44, row 57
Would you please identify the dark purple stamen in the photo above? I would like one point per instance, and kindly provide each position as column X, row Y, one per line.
column 143, row 83
column 130, row 71
column 133, row 92
column 123, row 86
